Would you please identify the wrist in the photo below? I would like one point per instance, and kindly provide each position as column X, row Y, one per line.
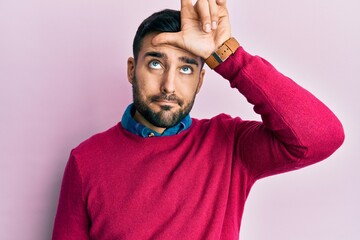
column 222, row 53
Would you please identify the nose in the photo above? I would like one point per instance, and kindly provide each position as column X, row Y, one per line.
column 168, row 82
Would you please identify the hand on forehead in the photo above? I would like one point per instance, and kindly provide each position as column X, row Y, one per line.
column 205, row 26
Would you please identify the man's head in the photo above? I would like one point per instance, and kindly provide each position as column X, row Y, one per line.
column 164, row 21
column 165, row 78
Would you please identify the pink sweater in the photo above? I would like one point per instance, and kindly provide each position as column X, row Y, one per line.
column 194, row 185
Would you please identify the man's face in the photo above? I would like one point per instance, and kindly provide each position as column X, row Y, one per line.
column 165, row 82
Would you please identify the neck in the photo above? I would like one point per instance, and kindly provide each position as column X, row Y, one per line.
column 139, row 118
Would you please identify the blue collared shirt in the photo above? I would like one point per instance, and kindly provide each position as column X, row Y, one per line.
column 130, row 124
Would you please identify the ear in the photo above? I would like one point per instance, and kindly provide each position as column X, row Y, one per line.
column 201, row 79
column 131, row 69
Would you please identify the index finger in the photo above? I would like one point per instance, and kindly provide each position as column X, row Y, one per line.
column 186, row 4
column 221, row 2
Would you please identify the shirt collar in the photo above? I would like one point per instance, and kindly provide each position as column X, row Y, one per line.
column 130, row 124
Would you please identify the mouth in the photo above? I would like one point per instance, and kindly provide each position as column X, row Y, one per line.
column 166, row 105
column 166, row 100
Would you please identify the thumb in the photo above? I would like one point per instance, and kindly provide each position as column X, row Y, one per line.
column 170, row 38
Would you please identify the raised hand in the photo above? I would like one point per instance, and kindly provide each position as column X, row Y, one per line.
column 204, row 27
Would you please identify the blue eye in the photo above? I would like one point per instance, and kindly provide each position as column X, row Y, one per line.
column 155, row 64
column 186, row 70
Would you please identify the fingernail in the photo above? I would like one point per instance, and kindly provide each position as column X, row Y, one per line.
column 207, row 27
column 214, row 25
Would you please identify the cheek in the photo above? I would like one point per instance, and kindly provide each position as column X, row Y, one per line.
column 144, row 91
column 188, row 88
column 147, row 82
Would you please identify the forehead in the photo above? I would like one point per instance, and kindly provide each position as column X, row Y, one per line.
column 169, row 50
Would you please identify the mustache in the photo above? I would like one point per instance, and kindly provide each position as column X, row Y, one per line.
column 170, row 98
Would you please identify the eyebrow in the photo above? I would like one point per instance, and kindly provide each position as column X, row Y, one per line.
column 155, row 54
column 184, row 59
column 189, row 60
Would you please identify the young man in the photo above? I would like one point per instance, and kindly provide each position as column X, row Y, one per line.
column 160, row 174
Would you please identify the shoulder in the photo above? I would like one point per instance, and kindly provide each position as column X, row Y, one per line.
column 212, row 119
column 222, row 122
column 97, row 143
column 222, row 118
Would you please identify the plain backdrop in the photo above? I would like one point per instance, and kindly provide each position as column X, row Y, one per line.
column 63, row 79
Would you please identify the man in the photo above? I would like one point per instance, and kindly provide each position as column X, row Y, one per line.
column 160, row 174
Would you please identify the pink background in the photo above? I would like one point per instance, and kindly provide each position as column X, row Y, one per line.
column 63, row 78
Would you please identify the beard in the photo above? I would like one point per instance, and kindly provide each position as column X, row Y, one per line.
column 164, row 118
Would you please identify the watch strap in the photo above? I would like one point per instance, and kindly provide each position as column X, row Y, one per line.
column 222, row 53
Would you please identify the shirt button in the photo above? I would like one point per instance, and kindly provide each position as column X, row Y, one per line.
column 151, row 134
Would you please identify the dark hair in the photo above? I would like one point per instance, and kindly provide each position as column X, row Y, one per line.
column 163, row 21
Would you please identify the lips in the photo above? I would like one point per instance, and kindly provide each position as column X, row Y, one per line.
column 166, row 99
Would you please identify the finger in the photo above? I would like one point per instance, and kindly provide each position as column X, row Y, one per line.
column 170, row 38
column 203, row 10
column 187, row 10
column 186, row 4
column 214, row 13
column 221, row 2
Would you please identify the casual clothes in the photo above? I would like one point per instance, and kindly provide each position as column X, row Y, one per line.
column 193, row 185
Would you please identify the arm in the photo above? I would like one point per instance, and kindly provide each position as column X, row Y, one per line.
column 71, row 220
column 297, row 129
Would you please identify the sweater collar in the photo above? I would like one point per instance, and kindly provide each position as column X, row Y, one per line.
column 130, row 124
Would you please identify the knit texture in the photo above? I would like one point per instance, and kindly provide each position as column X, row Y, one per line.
column 194, row 185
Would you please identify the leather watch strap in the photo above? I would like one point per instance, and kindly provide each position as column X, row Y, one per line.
column 222, row 53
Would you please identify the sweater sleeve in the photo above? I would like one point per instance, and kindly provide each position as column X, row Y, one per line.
column 71, row 221
column 296, row 129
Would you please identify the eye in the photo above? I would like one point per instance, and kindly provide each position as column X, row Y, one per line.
column 186, row 70
column 154, row 64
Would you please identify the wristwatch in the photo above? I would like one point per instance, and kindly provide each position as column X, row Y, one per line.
column 222, row 53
